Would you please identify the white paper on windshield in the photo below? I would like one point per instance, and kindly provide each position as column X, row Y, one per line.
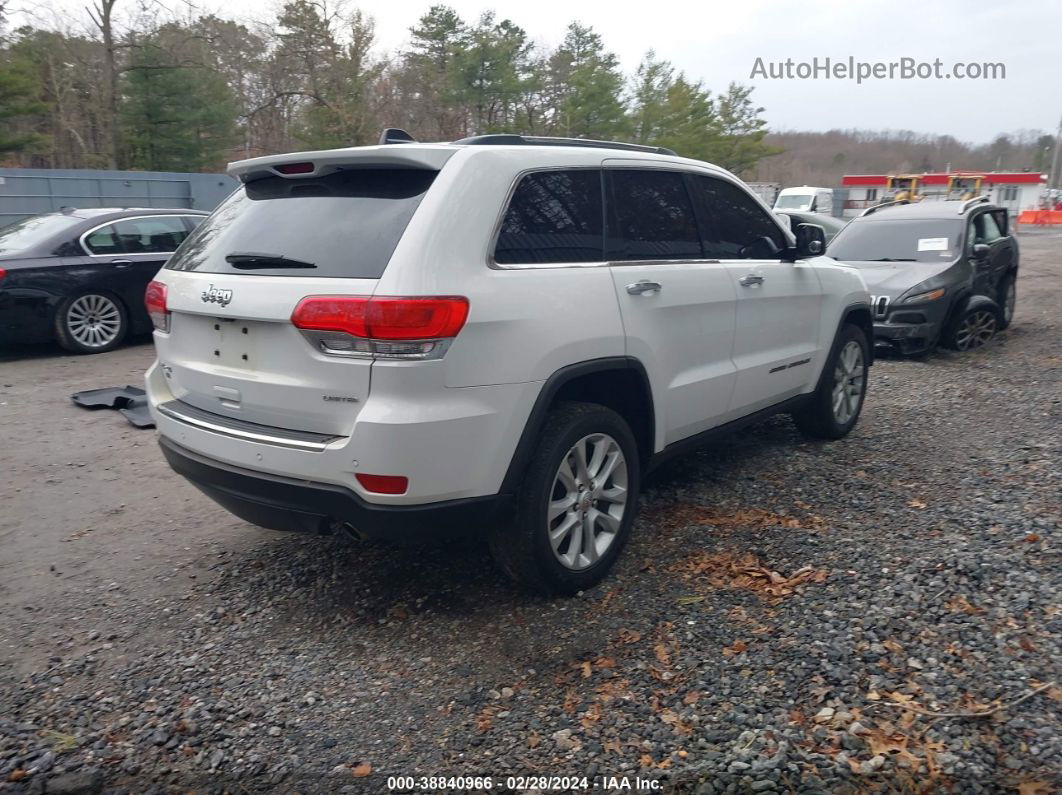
column 932, row 244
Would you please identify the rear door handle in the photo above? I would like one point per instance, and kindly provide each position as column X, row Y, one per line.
column 750, row 279
column 121, row 263
column 643, row 287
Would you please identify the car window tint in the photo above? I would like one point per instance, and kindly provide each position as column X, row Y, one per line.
column 32, row 231
column 103, row 241
column 345, row 224
column 155, row 235
column 734, row 221
column 553, row 216
column 652, row 217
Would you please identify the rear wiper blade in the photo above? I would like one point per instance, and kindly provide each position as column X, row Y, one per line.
column 253, row 259
column 890, row 259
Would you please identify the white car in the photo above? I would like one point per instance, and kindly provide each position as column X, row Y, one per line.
column 502, row 332
column 805, row 199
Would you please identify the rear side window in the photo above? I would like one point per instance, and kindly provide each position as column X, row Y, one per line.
column 652, row 217
column 150, row 235
column 344, row 224
column 734, row 222
column 553, row 217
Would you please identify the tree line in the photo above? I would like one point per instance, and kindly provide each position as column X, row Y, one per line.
column 157, row 92
column 822, row 158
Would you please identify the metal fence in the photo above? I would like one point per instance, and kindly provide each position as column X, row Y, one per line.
column 29, row 191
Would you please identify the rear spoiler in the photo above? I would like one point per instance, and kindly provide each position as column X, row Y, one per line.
column 431, row 157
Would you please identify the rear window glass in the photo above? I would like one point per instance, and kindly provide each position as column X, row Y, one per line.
column 28, row 232
column 344, row 224
column 554, row 216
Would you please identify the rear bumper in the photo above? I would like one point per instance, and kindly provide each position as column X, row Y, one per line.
column 281, row 503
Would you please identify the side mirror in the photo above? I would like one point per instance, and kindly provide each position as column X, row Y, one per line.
column 761, row 248
column 980, row 251
column 810, row 240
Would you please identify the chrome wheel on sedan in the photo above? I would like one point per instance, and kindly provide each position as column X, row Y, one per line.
column 587, row 501
column 94, row 320
column 849, row 381
column 975, row 329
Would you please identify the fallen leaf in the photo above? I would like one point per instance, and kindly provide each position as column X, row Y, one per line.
column 873, row 695
column 614, row 746
column 960, row 604
column 17, row 774
column 646, row 760
column 689, row 600
column 916, row 503
column 629, row 636
column 591, row 716
column 533, row 740
column 587, row 668
column 662, row 654
column 1034, row 788
column 1032, row 538
column 362, row 770
column 893, row 646
column 691, row 697
column 737, row 647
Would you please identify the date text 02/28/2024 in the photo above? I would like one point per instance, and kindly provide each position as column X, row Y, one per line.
column 520, row 783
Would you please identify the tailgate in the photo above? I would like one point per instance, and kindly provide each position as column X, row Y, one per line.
column 232, row 350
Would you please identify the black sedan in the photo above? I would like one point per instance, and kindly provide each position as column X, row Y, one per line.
column 78, row 276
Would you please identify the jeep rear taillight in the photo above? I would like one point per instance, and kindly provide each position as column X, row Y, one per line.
column 155, row 301
column 391, row 327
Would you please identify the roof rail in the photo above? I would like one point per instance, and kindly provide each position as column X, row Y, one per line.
column 532, row 140
column 883, row 205
column 975, row 200
column 394, row 135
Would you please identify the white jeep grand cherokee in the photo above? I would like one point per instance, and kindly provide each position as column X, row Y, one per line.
column 502, row 332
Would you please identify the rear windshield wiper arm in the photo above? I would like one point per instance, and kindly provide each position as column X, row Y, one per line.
column 253, row 259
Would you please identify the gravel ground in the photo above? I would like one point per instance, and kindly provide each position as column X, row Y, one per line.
column 790, row 616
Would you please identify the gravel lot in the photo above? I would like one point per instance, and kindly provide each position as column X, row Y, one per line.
column 790, row 616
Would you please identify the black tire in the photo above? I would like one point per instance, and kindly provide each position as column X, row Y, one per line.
column 112, row 321
column 978, row 315
column 1007, row 285
column 818, row 418
column 522, row 548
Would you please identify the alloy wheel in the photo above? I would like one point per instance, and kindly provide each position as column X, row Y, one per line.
column 94, row 320
column 976, row 329
column 849, row 381
column 588, row 501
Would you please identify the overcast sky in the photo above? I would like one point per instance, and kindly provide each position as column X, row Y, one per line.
column 719, row 42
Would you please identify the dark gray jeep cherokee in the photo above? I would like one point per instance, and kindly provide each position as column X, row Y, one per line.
column 939, row 272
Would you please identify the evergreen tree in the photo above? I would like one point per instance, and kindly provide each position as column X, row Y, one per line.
column 495, row 73
column 20, row 104
column 741, row 131
column 175, row 118
column 586, row 88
